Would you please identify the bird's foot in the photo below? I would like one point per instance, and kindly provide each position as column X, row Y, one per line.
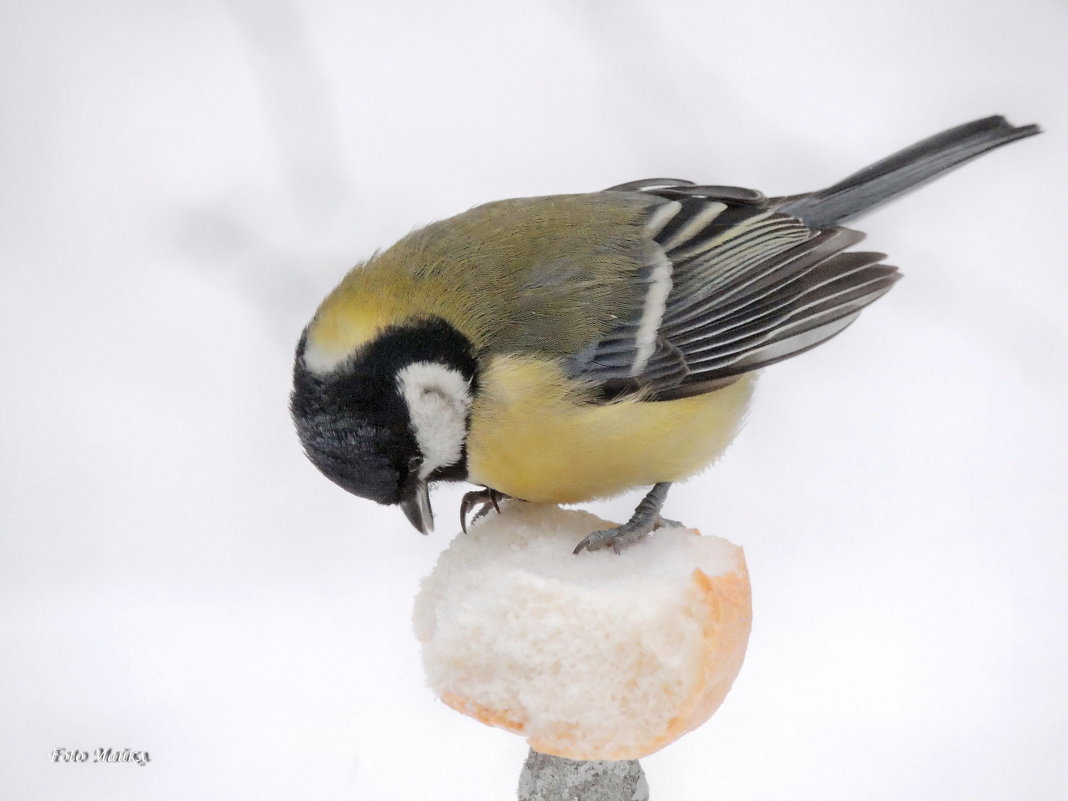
column 645, row 520
column 485, row 499
column 622, row 536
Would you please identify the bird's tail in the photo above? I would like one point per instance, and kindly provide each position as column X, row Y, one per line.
column 903, row 171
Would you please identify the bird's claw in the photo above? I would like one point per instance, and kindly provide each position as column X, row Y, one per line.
column 645, row 519
column 622, row 536
column 484, row 499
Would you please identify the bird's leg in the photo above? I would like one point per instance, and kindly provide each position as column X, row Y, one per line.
column 646, row 518
column 485, row 499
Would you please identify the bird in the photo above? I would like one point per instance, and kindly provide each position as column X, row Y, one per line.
column 565, row 348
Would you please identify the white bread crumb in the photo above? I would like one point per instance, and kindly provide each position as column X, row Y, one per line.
column 594, row 656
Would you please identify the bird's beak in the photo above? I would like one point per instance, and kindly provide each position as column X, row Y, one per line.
column 416, row 506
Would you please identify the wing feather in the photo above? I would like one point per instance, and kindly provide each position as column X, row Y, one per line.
column 749, row 286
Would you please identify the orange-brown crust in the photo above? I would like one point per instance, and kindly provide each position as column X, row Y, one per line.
column 491, row 717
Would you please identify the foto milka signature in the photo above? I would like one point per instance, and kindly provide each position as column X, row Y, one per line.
column 112, row 755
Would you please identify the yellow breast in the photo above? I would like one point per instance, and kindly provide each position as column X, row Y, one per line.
column 533, row 437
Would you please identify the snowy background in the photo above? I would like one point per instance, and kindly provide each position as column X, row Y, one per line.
column 183, row 182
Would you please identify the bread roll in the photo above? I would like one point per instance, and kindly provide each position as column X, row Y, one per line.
column 594, row 656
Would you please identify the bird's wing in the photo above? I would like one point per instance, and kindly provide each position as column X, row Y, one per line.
column 732, row 285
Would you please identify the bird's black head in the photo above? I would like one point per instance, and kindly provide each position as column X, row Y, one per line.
column 391, row 417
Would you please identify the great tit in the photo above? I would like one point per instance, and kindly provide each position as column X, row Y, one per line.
column 564, row 348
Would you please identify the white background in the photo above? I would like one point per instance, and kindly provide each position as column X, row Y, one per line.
column 183, row 181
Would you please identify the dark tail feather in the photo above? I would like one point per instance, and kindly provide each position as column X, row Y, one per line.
column 903, row 171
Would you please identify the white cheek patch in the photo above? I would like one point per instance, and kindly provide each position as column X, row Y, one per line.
column 438, row 399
